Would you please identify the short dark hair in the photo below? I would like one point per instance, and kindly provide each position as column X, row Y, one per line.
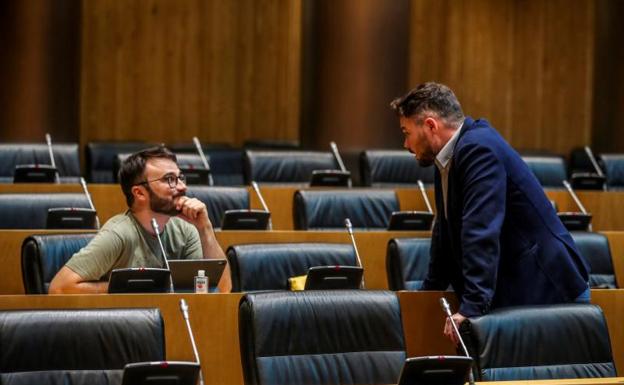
column 133, row 167
column 429, row 96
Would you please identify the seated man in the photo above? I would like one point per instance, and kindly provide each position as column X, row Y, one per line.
column 154, row 188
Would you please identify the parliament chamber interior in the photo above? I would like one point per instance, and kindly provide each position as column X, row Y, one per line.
column 278, row 113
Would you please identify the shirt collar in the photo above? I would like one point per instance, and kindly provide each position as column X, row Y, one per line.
column 445, row 154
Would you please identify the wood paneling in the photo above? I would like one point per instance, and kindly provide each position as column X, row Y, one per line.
column 526, row 66
column 164, row 71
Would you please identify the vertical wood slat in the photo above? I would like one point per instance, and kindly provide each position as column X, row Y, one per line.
column 526, row 66
column 165, row 71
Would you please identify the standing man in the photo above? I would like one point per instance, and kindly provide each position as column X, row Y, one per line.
column 497, row 239
column 154, row 188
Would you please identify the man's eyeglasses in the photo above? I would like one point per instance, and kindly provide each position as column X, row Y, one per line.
column 170, row 179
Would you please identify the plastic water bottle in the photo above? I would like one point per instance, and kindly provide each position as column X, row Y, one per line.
column 201, row 282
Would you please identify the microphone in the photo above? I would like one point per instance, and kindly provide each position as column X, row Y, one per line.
column 566, row 184
column 421, row 186
column 593, row 161
column 156, row 229
column 357, row 254
column 184, row 309
column 255, row 187
column 48, row 139
column 202, row 156
column 447, row 310
column 88, row 195
column 334, row 149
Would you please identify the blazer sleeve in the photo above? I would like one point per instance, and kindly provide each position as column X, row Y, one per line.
column 437, row 277
column 483, row 181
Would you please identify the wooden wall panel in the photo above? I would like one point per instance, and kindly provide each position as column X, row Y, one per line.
column 164, row 71
column 526, row 66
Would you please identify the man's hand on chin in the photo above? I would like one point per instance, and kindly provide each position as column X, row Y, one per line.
column 193, row 211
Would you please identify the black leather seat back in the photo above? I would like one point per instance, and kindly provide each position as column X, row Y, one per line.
column 30, row 211
column 44, row 255
column 100, row 158
column 594, row 247
column 66, row 158
column 407, row 262
column 63, row 377
column 220, row 199
column 184, row 160
column 284, row 167
column 550, row 170
column 540, row 342
column 101, row 339
column 268, row 266
column 327, row 209
column 614, row 170
column 392, row 168
column 321, row 337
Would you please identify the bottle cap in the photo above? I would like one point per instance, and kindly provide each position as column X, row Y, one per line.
column 201, row 273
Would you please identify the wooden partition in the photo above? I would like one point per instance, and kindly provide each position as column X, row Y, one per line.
column 214, row 318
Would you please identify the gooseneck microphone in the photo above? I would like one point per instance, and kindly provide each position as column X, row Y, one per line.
column 421, row 186
column 91, row 205
column 447, row 310
column 576, row 199
column 48, row 139
column 357, row 254
column 184, row 309
column 156, row 229
column 202, row 156
column 592, row 159
column 256, row 189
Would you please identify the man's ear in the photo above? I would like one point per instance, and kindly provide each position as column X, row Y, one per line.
column 431, row 124
column 139, row 192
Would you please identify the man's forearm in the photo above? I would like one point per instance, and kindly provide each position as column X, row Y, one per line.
column 212, row 250
column 82, row 288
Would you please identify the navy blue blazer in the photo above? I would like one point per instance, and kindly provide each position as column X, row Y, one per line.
column 502, row 243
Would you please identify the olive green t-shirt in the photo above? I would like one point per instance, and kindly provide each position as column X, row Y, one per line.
column 122, row 242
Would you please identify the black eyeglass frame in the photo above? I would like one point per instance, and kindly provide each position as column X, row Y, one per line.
column 171, row 179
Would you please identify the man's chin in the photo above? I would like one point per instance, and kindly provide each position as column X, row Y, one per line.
column 425, row 162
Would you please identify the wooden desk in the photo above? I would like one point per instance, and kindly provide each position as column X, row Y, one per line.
column 214, row 318
column 371, row 245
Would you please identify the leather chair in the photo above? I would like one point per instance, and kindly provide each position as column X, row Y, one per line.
column 321, row 337
column 392, row 168
column 44, row 255
column 540, row 342
column 595, row 248
column 66, row 159
column 184, row 161
column 100, row 158
column 30, row 211
column 613, row 165
column 226, row 163
column 79, row 347
column 285, row 167
column 327, row 209
column 268, row 266
column 550, row 170
column 220, row 199
column 407, row 262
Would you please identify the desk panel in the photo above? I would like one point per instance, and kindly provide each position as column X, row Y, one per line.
column 214, row 318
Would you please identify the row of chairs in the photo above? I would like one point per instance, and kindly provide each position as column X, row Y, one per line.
column 257, row 267
column 317, row 338
column 231, row 167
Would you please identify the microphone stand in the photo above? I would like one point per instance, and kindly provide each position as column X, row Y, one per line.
column 156, row 229
column 184, row 309
column 256, row 189
column 202, row 156
column 357, row 254
column 447, row 310
column 88, row 195
column 48, row 139
column 334, row 149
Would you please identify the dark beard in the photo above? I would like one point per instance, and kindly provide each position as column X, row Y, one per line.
column 163, row 205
